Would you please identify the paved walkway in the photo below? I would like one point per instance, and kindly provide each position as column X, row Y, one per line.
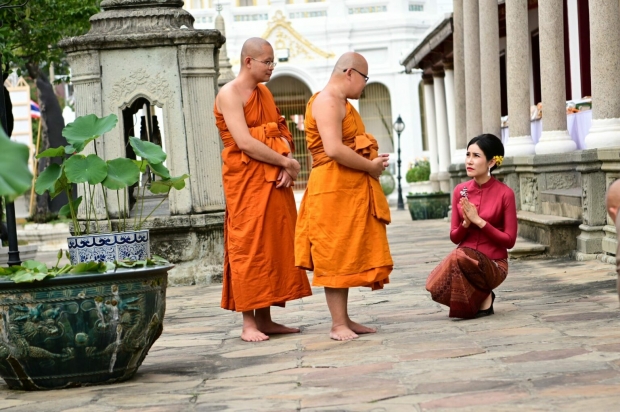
column 553, row 345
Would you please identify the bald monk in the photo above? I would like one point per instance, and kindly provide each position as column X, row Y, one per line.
column 258, row 172
column 612, row 200
column 341, row 228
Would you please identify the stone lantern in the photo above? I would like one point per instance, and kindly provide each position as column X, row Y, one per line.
column 144, row 56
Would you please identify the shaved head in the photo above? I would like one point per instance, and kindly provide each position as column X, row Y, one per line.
column 253, row 47
column 350, row 60
column 613, row 199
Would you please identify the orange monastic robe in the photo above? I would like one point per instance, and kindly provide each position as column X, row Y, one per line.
column 341, row 228
column 259, row 228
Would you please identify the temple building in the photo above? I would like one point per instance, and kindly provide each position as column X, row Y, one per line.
column 540, row 75
column 308, row 36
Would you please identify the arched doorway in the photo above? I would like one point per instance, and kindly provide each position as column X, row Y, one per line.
column 376, row 112
column 291, row 96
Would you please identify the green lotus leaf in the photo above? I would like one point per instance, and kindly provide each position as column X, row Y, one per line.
column 60, row 185
column 35, row 266
column 28, row 276
column 122, row 172
column 65, row 211
column 87, row 128
column 160, row 170
column 165, row 185
column 142, row 164
column 48, row 178
column 69, row 149
column 82, row 169
column 15, row 177
column 85, row 267
column 151, row 152
column 55, row 152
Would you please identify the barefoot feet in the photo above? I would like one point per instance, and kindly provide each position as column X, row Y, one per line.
column 360, row 329
column 251, row 334
column 272, row 328
column 341, row 332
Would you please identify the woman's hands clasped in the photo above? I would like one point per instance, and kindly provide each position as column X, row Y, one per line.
column 470, row 214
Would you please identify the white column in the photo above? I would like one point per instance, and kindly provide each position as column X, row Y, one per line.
column 520, row 142
column 450, row 108
column 554, row 137
column 473, row 107
column 443, row 138
column 605, row 47
column 460, row 123
column 431, row 129
column 489, row 67
column 573, row 47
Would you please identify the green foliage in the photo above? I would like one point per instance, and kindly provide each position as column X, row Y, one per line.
column 428, row 206
column 15, row 177
column 29, row 34
column 31, row 270
column 116, row 174
column 419, row 172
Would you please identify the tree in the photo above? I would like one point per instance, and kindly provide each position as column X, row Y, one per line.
column 29, row 37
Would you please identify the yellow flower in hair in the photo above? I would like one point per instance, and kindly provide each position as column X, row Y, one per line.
column 498, row 160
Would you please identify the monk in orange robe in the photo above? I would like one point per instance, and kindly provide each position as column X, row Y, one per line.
column 258, row 172
column 341, row 228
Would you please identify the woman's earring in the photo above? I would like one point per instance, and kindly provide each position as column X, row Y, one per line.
column 489, row 172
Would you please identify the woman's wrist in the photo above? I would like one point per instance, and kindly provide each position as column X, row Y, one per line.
column 481, row 223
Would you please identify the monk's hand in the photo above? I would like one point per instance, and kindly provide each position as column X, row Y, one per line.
column 284, row 180
column 376, row 167
column 386, row 159
column 291, row 167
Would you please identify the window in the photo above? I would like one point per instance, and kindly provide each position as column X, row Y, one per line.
column 245, row 3
column 416, row 7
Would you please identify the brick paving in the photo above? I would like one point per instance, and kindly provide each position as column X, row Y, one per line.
column 553, row 345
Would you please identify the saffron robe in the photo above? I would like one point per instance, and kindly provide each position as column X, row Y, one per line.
column 259, row 227
column 341, row 228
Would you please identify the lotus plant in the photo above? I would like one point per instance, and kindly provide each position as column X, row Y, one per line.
column 92, row 172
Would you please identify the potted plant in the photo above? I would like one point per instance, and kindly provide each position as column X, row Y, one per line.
column 79, row 323
column 428, row 205
column 93, row 240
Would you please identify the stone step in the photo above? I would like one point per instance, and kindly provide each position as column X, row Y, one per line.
column 557, row 233
column 526, row 248
column 562, row 202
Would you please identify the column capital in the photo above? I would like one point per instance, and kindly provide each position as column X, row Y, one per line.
column 427, row 78
column 438, row 71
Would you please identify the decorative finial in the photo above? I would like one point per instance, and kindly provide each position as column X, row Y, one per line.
column 219, row 8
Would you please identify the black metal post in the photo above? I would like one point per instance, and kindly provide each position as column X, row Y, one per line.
column 11, row 224
column 400, row 205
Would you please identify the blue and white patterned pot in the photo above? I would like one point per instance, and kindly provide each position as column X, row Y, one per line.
column 108, row 247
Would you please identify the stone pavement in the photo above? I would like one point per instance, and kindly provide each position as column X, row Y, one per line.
column 553, row 345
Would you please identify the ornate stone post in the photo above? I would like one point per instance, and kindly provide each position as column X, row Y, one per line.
column 443, row 138
column 473, row 108
column 554, row 137
column 226, row 73
column 520, row 142
column 431, row 129
column 489, row 67
column 605, row 46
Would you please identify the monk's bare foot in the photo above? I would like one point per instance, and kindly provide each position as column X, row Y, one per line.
column 360, row 329
column 250, row 334
column 342, row 332
column 272, row 328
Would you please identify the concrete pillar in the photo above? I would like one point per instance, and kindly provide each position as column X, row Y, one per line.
column 460, row 123
column 443, row 138
column 431, row 129
column 450, row 108
column 473, row 108
column 489, row 67
column 554, row 137
column 605, row 47
column 518, row 77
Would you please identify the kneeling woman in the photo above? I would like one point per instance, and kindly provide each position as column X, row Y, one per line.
column 484, row 226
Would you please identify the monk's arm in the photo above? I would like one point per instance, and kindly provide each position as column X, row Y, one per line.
column 329, row 114
column 232, row 109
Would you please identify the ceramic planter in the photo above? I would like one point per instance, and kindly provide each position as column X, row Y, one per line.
column 132, row 245
column 428, row 205
column 76, row 330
